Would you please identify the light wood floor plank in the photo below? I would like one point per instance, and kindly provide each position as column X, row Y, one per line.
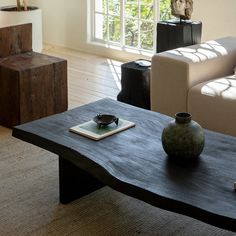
column 90, row 77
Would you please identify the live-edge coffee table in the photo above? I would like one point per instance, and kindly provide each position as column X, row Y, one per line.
column 133, row 162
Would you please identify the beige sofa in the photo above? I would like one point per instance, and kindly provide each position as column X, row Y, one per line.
column 198, row 79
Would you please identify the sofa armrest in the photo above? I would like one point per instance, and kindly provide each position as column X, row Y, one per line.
column 174, row 72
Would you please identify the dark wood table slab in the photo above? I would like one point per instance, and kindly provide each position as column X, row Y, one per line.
column 134, row 162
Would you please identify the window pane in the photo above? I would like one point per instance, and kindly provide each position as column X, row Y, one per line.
column 100, row 6
column 114, row 7
column 131, row 10
column 147, row 12
column 100, row 26
column 114, row 29
column 147, row 32
column 147, row 2
column 165, row 10
column 138, row 20
column 131, row 33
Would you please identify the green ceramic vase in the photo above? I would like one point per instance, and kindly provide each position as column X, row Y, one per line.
column 183, row 138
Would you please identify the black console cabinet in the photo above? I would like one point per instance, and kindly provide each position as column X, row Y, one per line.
column 174, row 34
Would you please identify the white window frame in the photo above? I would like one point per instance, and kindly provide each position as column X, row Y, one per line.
column 121, row 44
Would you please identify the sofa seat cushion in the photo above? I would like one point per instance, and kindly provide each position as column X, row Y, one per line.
column 213, row 104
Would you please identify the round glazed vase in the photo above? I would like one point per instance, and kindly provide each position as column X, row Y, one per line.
column 183, row 138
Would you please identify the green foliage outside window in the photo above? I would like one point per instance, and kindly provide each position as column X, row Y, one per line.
column 165, row 11
column 138, row 21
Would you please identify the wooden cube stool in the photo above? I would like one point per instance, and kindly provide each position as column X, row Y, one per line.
column 32, row 86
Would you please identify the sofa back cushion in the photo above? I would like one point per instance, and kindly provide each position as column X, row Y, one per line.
column 174, row 72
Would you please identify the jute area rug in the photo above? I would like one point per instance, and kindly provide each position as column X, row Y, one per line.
column 29, row 203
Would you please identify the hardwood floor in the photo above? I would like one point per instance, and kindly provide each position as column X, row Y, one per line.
column 90, row 77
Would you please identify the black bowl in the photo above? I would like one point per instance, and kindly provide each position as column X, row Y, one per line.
column 104, row 119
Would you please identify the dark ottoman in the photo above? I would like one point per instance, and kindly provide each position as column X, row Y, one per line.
column 135, row 85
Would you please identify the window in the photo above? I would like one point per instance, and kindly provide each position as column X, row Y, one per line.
column 128, row 23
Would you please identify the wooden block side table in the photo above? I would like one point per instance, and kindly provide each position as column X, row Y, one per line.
column 135, row 85
column 32, row 86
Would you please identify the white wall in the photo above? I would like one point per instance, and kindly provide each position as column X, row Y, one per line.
column 65, row 22
column 7, row 2
column 218, row 17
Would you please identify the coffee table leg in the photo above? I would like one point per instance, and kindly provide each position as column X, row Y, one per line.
column 75, row 182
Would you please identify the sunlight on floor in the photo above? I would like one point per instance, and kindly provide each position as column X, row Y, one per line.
column 116, row 71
